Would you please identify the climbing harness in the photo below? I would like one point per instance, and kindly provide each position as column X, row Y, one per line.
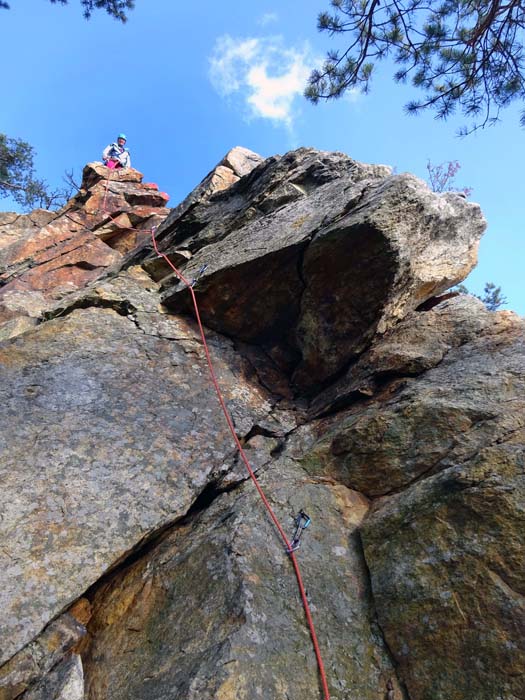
column 302, row 521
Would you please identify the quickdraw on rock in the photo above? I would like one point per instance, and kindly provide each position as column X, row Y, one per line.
column 305, row 521
column 201, row 271
column 302, row 521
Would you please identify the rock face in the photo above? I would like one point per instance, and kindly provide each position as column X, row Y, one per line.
column 449, row 586
column 214, row 580
column 137, row 560
column 44, row 256
column 110, row 437
column 427, row 425
column 385, row 243
column 444, row 543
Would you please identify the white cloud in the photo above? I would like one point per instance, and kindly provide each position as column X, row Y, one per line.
column 227, row 57
column 268, row 76
column 267, row 18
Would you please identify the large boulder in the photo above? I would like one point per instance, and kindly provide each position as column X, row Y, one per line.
column 310, row 255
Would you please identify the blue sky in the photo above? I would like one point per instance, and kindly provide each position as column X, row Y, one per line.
column 188, row 82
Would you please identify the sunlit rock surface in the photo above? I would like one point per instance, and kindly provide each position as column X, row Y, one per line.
column 334, row 252
column 137, row 560
column 44, row 256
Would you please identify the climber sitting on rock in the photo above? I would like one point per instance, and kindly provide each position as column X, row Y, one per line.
column 116, row 155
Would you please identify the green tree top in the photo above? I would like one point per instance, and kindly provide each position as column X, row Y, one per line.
column 17, row 177
column 464, row 55
column 493, row 298
column 115, row 8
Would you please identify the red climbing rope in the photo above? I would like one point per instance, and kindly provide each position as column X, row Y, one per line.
column 322, row 674
column 106, row 192
column 289, row 549
column 111, row 218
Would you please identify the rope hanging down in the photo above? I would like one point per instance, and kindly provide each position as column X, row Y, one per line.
column 290, row 547
column 302, row 520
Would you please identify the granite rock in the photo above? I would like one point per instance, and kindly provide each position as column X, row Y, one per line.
column 136, row 558
column 125, row 434
column 414, row 427
column 334, row 253
column 214, row 611
column 447, row 563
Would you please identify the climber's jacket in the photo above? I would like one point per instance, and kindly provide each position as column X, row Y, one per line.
column 117, row 152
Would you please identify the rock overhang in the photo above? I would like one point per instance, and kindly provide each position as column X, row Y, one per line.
column 347, row 256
